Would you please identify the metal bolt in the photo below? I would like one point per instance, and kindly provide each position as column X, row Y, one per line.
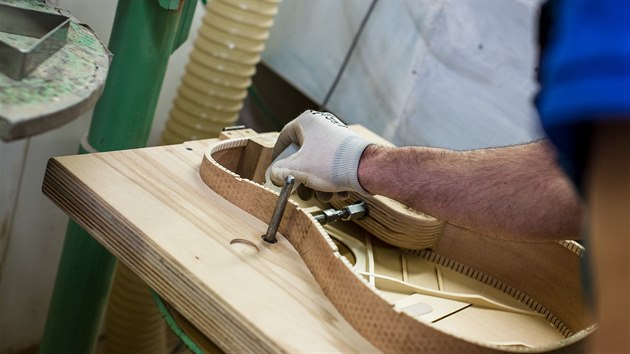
column 355, row 211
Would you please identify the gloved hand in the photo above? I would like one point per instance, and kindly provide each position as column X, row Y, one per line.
column 328, row 153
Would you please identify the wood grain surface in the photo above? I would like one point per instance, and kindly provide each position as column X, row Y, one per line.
column 151, row 209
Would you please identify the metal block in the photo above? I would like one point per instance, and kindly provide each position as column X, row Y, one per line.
column 49, row 29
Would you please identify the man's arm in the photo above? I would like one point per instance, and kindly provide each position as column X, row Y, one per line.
column 515, row 192
column 608, row 197
column 511, row 193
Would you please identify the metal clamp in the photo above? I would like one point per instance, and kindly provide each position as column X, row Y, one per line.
column 49, row 29
column 355, row 211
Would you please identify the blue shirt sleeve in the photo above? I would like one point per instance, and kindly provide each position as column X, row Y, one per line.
column 584, row 72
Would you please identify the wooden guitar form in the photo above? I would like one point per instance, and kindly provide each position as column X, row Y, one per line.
column 424, row 300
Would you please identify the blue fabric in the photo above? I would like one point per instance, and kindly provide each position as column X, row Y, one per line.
column 585, row 77
column 584, row 73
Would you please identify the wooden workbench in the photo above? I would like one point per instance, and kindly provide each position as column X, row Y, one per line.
column 151, row 209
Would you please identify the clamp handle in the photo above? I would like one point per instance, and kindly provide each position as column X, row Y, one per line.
column 272, row 230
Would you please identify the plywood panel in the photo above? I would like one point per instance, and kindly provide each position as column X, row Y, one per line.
column 226, row 288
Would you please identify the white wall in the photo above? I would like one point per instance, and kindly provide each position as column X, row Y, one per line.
column 456, row 74
column 34, row 243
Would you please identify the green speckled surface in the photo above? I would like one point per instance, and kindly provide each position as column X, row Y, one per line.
column 60, row 89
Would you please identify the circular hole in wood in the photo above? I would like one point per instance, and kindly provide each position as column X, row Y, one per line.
column 243, row 246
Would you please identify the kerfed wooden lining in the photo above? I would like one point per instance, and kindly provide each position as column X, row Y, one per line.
column 393, row 222
column 376, row 319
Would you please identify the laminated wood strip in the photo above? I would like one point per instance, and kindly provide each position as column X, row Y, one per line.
column 395, row 223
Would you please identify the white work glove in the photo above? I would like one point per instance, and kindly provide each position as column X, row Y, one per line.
column 328, row 154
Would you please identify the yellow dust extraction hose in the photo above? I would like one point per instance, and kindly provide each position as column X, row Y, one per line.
column 133, row 324
column 210, row 97
column 222, row 63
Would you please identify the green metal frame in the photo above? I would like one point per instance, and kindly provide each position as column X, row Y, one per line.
column 143, row 36
column 174, row 326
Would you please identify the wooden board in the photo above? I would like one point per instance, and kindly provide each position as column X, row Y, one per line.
column 150, row 208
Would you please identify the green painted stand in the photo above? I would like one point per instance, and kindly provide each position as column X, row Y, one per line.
column 143, row 36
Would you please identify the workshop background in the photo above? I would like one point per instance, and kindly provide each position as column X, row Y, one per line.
column 447, row 74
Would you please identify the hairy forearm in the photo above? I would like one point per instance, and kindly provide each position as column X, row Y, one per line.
column 514, row 192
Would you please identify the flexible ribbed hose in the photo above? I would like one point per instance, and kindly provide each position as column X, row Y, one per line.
column 223, row 60
column 133, row 323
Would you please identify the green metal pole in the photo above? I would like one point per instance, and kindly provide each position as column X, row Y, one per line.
column 143, row 37
column 142, row 40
